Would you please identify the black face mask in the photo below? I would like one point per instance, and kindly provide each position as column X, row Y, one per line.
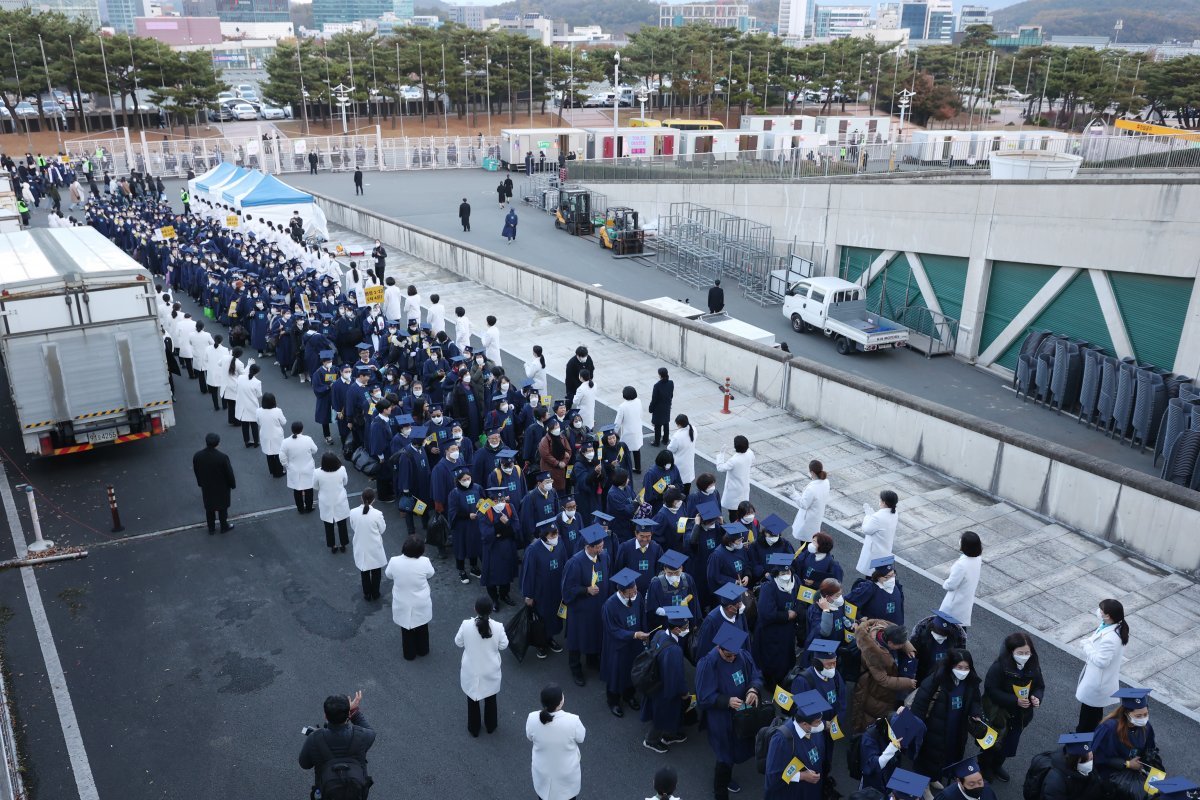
column 973, row 793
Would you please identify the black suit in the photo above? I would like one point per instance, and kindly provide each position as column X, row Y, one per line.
column 572, row 377
column 380, row 256
column 214, row 476
column 716, row 300
column 464, row 215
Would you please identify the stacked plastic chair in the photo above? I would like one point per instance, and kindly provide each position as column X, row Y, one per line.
column 1176, row 420
column 1044, row 371
column 1108, row 392
column 1089, row 386
column 1067, row 375
column 1149, row 404
column 1180, row 466
column 1029, row 347
column 1122, row 411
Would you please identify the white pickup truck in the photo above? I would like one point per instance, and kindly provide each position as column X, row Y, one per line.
column 837, row 308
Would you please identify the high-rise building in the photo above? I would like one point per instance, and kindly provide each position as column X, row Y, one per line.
column 335, row 11
column 403, row 9
column 973, row 15
column 238, row 10
column 793, row 16
column 122, row 13
column 470, row 16
column 88, row 10
column 836, row 22
column 717, row 15
column 928, row 19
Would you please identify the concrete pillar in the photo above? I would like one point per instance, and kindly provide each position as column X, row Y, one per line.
column 1187, row 357
column 970, row 326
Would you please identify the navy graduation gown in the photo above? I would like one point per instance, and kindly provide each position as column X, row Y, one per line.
column 541, row 580
column 716, row 681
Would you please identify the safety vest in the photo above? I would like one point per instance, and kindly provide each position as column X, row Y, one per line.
column 41, row 161
column 184, row 196
column 22, row 208
column 87, row 164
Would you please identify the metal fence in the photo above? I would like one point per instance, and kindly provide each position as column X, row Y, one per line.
column 175, row 157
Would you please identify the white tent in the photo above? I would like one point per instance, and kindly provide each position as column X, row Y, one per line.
column 201, row 184
column 212, row 192
column 274, row 201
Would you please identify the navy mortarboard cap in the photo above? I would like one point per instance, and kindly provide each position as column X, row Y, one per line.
column 508, row 454
column 810, row 705
column 563, row 499
column 593, row 534
column 709, row 510
column 965, row 768
column 327, row 317
column 456, row 359
column 527, row 385
column 498, row 489
column 603, row 517
column 545, row 522
column 460, row 471
column 730, row 637
column 906, row 725
column 779, row 560
column 1133, row 698
column 559, row 403
column 417, row 432
column 942, row 615
column 906, row 785
column 364, row 369
column 496, row 398
column 608, row 429
column 364, row 346
column 775, row 525
column 587, row 444
column 884, row 561
column 676, row 615
column 734, row 529
column 644, row 523
column 494, row 429
column 823, row 648
column 1076, row 744
column 435, row 407
column 543, row 476
column 1175, row 788
column 672, row 559
column 731, row 593
column 327, row 355
column 403, row 419
column 625, row 578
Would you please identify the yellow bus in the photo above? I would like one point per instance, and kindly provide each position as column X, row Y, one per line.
column 678, row 124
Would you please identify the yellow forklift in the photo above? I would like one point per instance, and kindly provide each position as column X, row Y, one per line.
column 574, row 213
column 622, row 234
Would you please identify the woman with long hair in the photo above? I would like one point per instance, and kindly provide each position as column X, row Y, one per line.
column 271, row 420
column 948, row 701
column 535, row 370
column 1012, row 690
column 1103, row 652
column 412, row 604
column 482, row 638
column 330, row 485
column 683, row 447
column 296, row 454
column 368, row 525
column 556, row 736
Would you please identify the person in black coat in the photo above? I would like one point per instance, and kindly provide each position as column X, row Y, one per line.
column 358, row 185
column 581, row 361
column 380, row 256
column 948, row 701
column 346, row 733
column 1013, row 690
column 214, row 476
column 716, row 298
column 1070, row 776
column 464, row 215
column 661, row 396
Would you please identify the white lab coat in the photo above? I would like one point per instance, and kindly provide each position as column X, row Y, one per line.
column 737, row 478
column 556, row 771
column 184, row 340
column 271, row 429
column 960, row 588
column 491, row 343
column 297, row 456
column 201, row 343
column 536, row 373
column 811, row 509
column 585, row 401
column 393, row 304
column 479, row 674
column 366, row 537
column 412, row 605
column 412, row 308
column 218, row 367
column 229, row 385
column 436, row 317
column 1101, row 675
column 248, row 394
column 462, row 331
column 684, row 450
column 879, row 536
column 629, row 424
column 332, row 502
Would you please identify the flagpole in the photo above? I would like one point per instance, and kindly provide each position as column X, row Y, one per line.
column 487, row 73
column 531, row 86
column 112, row 109
column 303, row 99
column 353, row 105
column 20, row 91
column 133, row 70
column 424, row 91
column 399, row 94
column 78, row 88
column 445, row 91
column 50, row 90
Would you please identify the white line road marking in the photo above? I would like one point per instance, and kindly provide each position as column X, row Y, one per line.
column 85, row 783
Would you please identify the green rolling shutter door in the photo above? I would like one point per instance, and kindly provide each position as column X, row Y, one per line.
column 855, row 261
column 1011, row 288
column 948, row 276
column 1074, row 313
column 1153, row 309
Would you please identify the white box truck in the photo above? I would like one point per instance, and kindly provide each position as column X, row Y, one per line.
column 80, row 342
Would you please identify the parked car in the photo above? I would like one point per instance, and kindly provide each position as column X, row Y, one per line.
column 244, row 111
column 271, row 112
column 222, row 114
column 226, row 97
column 247, row 92
column 26, row 109
column 837, row 308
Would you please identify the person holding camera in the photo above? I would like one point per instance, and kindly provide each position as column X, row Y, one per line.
column 337, row 752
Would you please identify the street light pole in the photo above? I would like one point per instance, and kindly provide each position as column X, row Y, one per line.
column 616, row 98
column 905, row 98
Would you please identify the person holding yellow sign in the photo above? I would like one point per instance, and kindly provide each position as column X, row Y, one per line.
column 949, row 700
column 584, row 590
column 728, row 688
column 778, row 609
column 1124, row 747
column 498, row 532
column 541, row 581
column 1012, row 691
column 822, row 676
column 796, row 751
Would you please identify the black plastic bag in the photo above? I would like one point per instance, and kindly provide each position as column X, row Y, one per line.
column 750, row 720
column 438, row 534
column 524, row 630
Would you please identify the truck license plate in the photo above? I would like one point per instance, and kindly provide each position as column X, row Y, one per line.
column 100, row 437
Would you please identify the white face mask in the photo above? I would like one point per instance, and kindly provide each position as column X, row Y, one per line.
column 746, row 520
column 577, row 423
column 771, row 540
column 418, row 392
column 888, row 585
column 437, row 420
column 504, row 387
column 937, row 637
column 504, row 408
column 506, row 470
column 1139, row 722
column 673, row 580
column 465, row 484
column 837, row 602
column 452, row 455
column 1021, row 660
column 710, row 490
column 812, row 548
column 961, row 674
column 547, row 486
column 827, row 673
column 466, row 378
column 784, row 582
column 741, row 608
column 1085, row 767
column 628, row 601
column 556, row 431
column 569, row 514
column 818, row 728
column 683, row 634
column 676, row 505
column 552, row 541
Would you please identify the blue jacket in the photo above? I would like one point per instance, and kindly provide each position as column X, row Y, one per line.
column 716, row 682
column 541, row 580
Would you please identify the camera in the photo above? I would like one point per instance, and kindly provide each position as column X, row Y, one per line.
column 309, row 729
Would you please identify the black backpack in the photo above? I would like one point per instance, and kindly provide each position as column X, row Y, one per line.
column 341, row 777
column 762, row 742
column 1035, row 778
column 646, row 675
column 854, row 757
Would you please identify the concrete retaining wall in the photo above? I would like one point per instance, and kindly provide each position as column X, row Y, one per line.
column 1125, row 507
